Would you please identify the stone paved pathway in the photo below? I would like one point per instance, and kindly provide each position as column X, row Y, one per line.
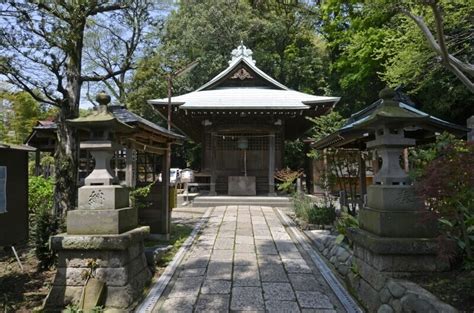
column 244, row 260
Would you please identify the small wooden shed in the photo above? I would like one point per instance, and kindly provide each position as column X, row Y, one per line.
column 13, row 193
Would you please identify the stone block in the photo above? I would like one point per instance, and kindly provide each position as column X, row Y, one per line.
column 402, row 224
column 118, row 276
column 103, row 197
column 393, row 198
column 278, row 306
column 385, row 308
column 278, row 291
column 120, row 297
column 247, row 299
column 212, row 303
column 242, row 186
column 101, row 222
column 314, row 300
column 395, row 289
column 385, row 295
column 216, row 287
column 62, row 296
column 71, row 276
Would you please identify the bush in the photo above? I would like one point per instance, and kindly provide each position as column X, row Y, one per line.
column 321, row 215
column 313, row 213
column 42, row 222
column 446, row 183
column 344, row 222
column 139, row 197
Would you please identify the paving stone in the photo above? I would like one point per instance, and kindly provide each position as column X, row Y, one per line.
column 245, row 259
column 244, row 239
column 219, row 270
column 270, row 259
column 272, row 273
column 213, row 303
column 246, row 276
column 216, row 287
column 184, row 305
column 313, row 300
column 192, row 272
column 196, row 262
column 282, row 306
column 278, row 291
column 224, row 244
column 241, row 247
column 247, row 298
column 265, row 247
column 304, row 282
column 186, row 287
column 296, row 266
column 222, row 255
column 290, row 255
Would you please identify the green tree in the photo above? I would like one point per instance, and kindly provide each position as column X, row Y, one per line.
column 385, row 42
column 25, row 112
column 282, row 38
column 44, row 52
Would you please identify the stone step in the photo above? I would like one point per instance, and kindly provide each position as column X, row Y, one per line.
column 209, row 201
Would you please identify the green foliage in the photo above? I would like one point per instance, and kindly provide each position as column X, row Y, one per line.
column 312, row 212
column 281, row 36
column 287, row 178
column 19, row 117
column 344, row 222
column 445, row 180
column 294, row 157
column 139, row 197
column 42, row 222
column 372, row 44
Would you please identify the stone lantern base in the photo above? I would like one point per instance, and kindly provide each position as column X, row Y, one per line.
column 396, row 257
column 119, row 262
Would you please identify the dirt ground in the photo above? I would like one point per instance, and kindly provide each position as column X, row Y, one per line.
column 455, row 287
column 22, row 291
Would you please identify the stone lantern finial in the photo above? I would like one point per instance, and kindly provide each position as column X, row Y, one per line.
column 387, row 94
column 104, row 99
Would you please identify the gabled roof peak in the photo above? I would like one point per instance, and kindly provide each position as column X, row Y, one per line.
column 242, row 52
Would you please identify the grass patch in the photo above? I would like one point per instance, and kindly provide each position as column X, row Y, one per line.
column 178, row 235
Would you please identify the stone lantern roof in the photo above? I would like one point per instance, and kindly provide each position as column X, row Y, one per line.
column 102, row 118
column 392, row 108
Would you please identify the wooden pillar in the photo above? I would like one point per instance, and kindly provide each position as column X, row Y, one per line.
column 38, row 162
column 362, row 178
column 165, row 219
column 271, row 164
column 130, row 168
column 308, row 164
column 212, row 191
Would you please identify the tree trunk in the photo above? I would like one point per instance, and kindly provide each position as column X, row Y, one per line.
column 66, row 156
column 67, row 148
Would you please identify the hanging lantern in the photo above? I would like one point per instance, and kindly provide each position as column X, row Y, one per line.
column 243, row 143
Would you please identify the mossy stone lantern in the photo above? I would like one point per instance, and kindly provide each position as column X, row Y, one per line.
column 103, row 206
column 395, row 235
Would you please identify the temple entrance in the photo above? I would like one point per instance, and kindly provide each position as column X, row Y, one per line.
column 252, row 154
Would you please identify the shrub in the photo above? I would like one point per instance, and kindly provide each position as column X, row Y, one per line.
column 139, row 197
column 446, row 183
column 321, row 214
column 42, row 222
column 287, row 177
column 313, row 213
column 344, row 222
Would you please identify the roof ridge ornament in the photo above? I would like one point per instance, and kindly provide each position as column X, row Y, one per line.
column 242, row 52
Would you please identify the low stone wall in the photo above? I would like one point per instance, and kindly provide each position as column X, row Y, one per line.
column 377, row 292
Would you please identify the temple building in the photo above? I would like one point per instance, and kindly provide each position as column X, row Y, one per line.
column 242, row 117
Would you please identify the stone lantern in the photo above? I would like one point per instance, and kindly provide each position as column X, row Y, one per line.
column 396, row 234
column 103, row 231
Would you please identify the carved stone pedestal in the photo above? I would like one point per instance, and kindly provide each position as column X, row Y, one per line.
column 119, row 262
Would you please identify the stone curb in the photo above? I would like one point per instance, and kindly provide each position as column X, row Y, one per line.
column 156, row 290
